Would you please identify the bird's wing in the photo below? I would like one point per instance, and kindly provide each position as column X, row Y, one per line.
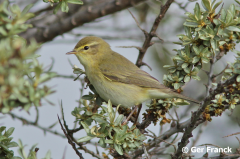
column 120, row 69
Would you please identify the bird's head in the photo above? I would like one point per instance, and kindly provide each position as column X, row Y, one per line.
column 90, row 50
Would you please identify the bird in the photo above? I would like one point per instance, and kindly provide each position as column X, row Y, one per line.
column 117, row 79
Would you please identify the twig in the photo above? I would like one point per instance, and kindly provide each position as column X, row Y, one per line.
column 70, row 141
column 232, row 134
column 27, row 122
column 86, row 14
column 148, row 37
column 188, row 125
column 196, row 115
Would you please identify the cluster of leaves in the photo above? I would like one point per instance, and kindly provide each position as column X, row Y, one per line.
column 209, row 36
column 20, row 72
column 63, row 4
column 32, row 152
column 109, row 129
column 158, row 109
column 6, row 143
column 231, row 97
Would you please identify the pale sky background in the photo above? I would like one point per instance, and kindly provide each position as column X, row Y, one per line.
column 68, row 92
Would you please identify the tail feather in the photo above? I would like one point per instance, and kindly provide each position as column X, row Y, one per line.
column 186, row 98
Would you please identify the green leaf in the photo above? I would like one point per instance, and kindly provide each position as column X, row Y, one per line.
column 207, row 4
column 12, row 144
column 233, row 28
column 9, row 132
column 195, row 59
column 109, row 141
column 238, row 78
column 75, row 1
column 229, row 70
column 176, row 85
column 57, row 7
column 197, row 11
column 85, row 126
column 48, row 155
column 184, row 65
column 191, row 24
column 99, row 120
column 118, row 148
column 88, row 97
column 27, row 8
column 118, row 120
column 216, row 5
column 64, row 6
column 85, row 139
column 187, row 78
column 110, row 111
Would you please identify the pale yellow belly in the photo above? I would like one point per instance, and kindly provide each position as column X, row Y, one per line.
column 119, row 93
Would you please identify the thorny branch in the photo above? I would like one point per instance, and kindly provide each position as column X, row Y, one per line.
column 188, row 126
column 49, row 27
column 70, row 141
column 27, row 122
column 148, row 36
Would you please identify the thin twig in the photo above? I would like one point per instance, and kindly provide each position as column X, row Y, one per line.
column 70, row 141
column 27, row 122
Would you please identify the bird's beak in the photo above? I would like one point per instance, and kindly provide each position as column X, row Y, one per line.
column 71, row 52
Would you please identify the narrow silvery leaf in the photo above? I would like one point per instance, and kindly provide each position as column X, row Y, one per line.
column 85, row 139
column 119, row 119
column 75, row 1
column 118, row 148
column 110, row 111
column 85, row 126
column 197, row 11
column 186, row 79
column 233, row 28
column 238, row 78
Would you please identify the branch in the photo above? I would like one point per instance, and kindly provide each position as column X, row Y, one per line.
column 148, row 36
column 70, row 141
column 188, row 125
column 43, row 31
column 25, row 121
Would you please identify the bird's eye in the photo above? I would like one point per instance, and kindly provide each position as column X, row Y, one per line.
column 86, row 47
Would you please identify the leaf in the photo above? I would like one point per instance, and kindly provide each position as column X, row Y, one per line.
column 48, row 155
column 197, row 11
column 191, row 24
column 207, row 4
column 85, row 139
column 195, row 59
column 216, row 5
column 238, row 78
column 88, row 97
column 57, row 7
column 85, row 126
column 12, row 144
column 233, row 28
column 9, row 132
column 118, row 148
column 109, row 141
column 75, row 1
column 27, row 8
column 64, row 6
column 176, row 85
column 110, row 111
column 184, row 65
column 187, row 78
column 118, row 120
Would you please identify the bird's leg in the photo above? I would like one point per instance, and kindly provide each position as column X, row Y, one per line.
column 139, row 110
column 129, row 116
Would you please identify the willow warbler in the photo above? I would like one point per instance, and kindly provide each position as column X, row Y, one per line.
column 117, row 79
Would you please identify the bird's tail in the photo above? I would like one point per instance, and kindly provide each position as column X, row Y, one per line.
column 186, row 98
column 168, row 93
